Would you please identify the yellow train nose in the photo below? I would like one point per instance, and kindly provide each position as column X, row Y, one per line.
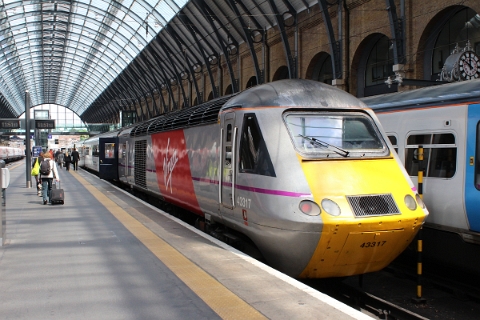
column 373, row 224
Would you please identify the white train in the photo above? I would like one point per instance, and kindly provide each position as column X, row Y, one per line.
column 9, row 154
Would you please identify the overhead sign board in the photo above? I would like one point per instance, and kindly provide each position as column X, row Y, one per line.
column 9, row 124
column 44, row 124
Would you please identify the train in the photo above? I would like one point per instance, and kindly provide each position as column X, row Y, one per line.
column 445, row 121
column 300, row 169
column 9, row 154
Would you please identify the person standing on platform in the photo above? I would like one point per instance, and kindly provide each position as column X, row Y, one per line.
column 75, row 158
column 68, row 160
column 56, row 155
column 48, row 171
column 60, row 159
column 51, row 153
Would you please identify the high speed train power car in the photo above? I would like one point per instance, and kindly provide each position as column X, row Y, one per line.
column 299, row 168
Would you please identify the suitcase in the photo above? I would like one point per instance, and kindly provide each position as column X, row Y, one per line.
column 57, row 196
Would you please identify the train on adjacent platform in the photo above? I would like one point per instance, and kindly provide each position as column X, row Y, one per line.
column 299, row 168
column 9, row 154
column 445, row 121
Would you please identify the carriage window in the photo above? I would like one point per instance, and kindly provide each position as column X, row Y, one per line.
column 229, row 133
column 393, row 141
column 95, row 150
column 439, row 155
column 254, row 156
column 109, row 150
column 346, row 134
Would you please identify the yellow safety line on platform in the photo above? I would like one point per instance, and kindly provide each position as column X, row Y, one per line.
column 224, row 302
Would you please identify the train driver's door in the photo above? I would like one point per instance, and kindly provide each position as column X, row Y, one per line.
column 227, row 183
column 108, row 158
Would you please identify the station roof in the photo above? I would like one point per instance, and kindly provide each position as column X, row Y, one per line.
column 74, row 52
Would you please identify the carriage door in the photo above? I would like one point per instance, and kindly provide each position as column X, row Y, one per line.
column 108, row 158
column 228, row 161
column 472, row 176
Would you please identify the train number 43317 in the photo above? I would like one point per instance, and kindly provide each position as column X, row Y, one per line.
column 373, row 244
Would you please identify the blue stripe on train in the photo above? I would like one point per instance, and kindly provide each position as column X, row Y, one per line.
column 472, row 194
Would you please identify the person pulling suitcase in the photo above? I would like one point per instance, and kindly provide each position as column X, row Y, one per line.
column 48, row 171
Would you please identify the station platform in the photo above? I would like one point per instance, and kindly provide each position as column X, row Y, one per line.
column 105, row 254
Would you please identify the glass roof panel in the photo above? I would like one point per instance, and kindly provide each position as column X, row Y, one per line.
column 65, row 49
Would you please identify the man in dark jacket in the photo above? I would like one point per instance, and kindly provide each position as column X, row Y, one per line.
column 75, row 158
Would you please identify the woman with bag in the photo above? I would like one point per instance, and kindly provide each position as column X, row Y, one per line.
column 36, row 173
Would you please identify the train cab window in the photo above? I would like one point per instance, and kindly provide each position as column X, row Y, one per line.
column 345, row 134
column 439, row 155
column 254, row 156
column 394, row 142
column 95, row 151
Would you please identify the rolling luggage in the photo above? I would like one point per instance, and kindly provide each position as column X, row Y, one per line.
column 57, row 195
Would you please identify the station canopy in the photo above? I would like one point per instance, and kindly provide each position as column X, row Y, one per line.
column 73, row 53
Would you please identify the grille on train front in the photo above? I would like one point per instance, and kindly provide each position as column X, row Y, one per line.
column 373, row 205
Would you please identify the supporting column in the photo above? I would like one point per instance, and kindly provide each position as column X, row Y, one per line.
column 28, row 149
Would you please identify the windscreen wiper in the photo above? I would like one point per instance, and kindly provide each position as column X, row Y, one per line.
column 325, row 145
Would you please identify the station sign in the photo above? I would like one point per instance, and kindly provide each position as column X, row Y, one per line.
column 36, row 151
column 44, row 124
column 9, row 124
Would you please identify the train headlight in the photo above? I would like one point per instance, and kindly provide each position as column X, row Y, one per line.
column 331, row 207
column 309, row 208
column 420, row 201
column 410, row 202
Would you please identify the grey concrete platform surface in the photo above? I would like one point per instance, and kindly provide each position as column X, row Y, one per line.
column 106, row 255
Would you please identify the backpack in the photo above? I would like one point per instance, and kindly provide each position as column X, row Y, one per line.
column 45, row 167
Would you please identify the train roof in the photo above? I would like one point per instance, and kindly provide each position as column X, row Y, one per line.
column 286, row 93
column 457, row 92
column 296, row 93
column 200, row 114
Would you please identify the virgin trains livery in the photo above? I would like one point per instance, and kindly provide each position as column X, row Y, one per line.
column 300, row 169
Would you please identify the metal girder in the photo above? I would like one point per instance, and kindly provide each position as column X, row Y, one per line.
column 124, row 86
column 148, row 73
column 208, row 13
column 195, row 32
column 291, row 61
column 182, row 49
column 165, row 78
column 140, row 76
column 143, row 55
column 398, row 33
column 248, row 40
column 176, row 74
column 335, row 46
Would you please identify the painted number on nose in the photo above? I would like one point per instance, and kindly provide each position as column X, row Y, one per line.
column 373, row 244
column 244, row 202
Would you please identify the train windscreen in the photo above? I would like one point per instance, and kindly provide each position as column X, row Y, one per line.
column 335, row 134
